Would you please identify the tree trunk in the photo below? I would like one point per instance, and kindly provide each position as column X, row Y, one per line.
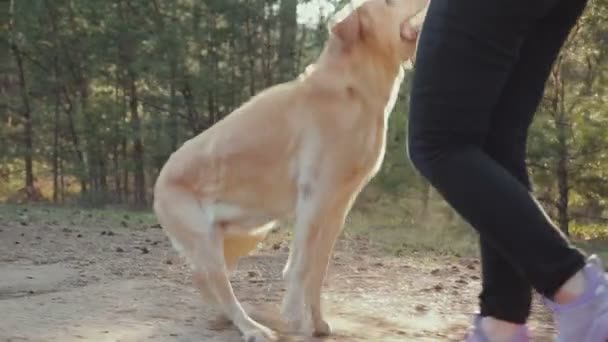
column 61, row 178
column 103, row 177
column 193, row 121
column 69, row 110
column 426, row 199
column 92, row 150
column 300, row 51
column 250, row 40
column 562, row 172
column 138, row 147
column 117, row 179
column 173, row 120
column 562, row 180
column 125, row 156
column 287, row 42
column 26, row 111
column 69, row 105
column 56, row 151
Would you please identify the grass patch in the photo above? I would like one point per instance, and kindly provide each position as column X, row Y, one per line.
column 393, row 226
column 115, row 218
column 597, row 246
column 398, row 227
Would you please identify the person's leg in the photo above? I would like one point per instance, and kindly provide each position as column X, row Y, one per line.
column 506, row 293
column 466, row 54
column 449, row 125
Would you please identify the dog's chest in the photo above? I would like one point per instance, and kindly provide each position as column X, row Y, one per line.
column 371, row 148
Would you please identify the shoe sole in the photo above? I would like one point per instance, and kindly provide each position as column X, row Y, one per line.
column 599, row 329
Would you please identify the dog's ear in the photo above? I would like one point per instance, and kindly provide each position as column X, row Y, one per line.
column 349, row 29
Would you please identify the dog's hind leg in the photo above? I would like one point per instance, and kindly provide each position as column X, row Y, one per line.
column 194, row 231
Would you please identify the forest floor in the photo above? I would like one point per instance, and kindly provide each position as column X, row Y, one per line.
column 74, row 275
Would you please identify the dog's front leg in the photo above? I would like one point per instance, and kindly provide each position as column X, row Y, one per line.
column 311, row 212
column 324, row 245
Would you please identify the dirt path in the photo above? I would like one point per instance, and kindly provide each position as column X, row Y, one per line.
column 70, row 282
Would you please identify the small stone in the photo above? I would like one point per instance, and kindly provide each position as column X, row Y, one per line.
column 119, row 249
column 144, row 250
column 252, row 274
column 421, row 307
column 17, row 242
column 435, row 271
column 168, row 262
column 79, row 235
column 276, row 246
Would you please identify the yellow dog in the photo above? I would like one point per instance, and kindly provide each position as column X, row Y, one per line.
column 306, row 148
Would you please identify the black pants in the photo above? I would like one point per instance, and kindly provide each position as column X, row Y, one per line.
column 480, row 73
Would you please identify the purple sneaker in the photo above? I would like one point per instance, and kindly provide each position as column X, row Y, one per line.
column 476, row 335
column 586, row 319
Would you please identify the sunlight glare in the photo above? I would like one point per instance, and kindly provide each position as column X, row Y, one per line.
column 310, row 12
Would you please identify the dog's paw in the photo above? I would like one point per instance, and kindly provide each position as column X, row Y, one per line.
column 321, row 329
column 260, row 334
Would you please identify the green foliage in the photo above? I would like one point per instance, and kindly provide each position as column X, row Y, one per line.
column 569, row 139
column 115, row 86
column 593, row 231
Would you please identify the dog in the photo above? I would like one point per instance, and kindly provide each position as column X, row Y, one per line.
column 303, row 148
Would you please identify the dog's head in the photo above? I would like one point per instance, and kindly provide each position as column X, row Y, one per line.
column 377, row 25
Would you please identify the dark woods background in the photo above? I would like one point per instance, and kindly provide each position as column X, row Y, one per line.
column 95, row 95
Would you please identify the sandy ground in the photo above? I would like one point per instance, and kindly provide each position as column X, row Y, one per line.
column 65, row 281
